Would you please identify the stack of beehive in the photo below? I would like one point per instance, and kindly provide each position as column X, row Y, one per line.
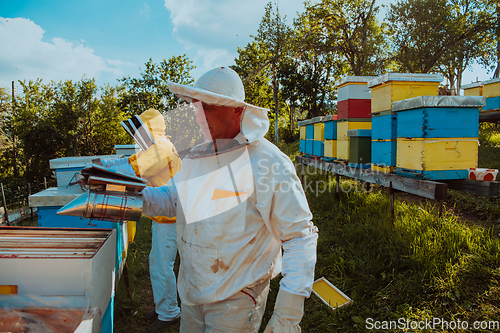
column 312, row 136
column 303, row 137
column 330, row 148
column 385, row 90
column 491, row 91
column 437, row 136
column 353, row 110
column 319, row 137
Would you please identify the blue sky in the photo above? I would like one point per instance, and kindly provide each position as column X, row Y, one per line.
column 60, row 40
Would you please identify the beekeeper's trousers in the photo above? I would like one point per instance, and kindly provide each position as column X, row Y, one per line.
column 161, row 270
column 241, row 312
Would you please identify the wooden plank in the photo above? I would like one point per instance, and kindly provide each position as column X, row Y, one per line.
column 424, row 188
column 489, row 189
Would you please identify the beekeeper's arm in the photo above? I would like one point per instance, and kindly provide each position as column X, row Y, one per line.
column 155, row 159
column 283, row 204
column 160, row 201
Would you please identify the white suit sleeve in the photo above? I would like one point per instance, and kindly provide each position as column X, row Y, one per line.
column 284, row 206
column 159, row 201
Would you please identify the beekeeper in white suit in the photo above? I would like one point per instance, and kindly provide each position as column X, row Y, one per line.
column 157, row 162
column 238, row 201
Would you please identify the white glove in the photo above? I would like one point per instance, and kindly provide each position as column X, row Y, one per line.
column 125, row 169
column 288, row 312
column 114, row 162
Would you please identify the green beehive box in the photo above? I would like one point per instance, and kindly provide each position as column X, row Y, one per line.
column 360, row 149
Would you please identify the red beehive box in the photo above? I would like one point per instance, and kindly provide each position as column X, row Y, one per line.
column 354, row 108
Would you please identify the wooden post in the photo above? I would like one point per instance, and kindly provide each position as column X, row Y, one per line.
column 5, row 206
column 45, row 182
column 337, row 186
column 440, row 208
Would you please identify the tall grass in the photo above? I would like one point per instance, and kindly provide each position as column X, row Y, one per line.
column 416, row 266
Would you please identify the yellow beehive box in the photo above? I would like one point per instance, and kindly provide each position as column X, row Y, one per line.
column 344, row 126
column 319, row 132
column 477, row 91
column 303, row 132
column 343, row 149
column 473, row 89
column 330, row 148
column 491, row 88
column 393, row 87
column 437, row 154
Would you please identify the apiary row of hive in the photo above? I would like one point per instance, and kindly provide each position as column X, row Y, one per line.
column 406, row 127
column 490, row 90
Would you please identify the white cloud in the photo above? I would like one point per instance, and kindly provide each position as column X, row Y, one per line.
column 215, row 29
column 25, row 56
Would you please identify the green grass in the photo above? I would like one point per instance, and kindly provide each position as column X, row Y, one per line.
column 417, row 266
column 130, row 310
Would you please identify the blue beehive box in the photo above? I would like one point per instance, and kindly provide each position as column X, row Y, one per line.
column 309, row 147
column 438, row 116
column 302, row 146
column 318, row 148
column 331, row 130
column 310, row 132
column 384, row 127
column 384, row 152
column 492, row 103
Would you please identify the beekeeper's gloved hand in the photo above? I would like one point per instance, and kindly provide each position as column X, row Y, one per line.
column 288, row 312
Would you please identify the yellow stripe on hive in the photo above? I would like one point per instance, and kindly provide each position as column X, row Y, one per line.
column 221, row 194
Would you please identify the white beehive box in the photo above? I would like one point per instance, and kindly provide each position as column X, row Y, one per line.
column 74, row 264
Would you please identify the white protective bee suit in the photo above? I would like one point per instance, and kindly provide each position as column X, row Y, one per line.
column 236, row 209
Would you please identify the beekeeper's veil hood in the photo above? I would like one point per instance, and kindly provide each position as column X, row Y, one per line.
column 146, row 128
column 222, row 86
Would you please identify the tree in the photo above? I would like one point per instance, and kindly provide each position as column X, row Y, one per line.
column 348, row 29
column 273, row 36
column 38, row 140
column 439, row 35
column 252, row 66
column 6, row 137
column 150, row 90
